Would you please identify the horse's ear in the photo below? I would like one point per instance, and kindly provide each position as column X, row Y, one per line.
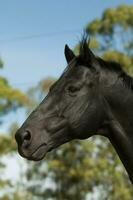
column 68, row 53
column 86, row 53
column 87, row 57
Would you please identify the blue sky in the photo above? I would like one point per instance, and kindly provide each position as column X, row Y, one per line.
column 27, row 61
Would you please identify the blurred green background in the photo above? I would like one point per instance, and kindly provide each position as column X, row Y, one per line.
column 79, row 170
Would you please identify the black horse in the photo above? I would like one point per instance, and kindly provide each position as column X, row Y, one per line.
column 91, row 97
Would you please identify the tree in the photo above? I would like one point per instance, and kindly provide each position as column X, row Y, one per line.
column 76, row 169
column 114, row 34
column 10, row 100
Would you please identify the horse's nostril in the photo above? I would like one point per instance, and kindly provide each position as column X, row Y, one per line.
column 27, row 135
column 22, row 137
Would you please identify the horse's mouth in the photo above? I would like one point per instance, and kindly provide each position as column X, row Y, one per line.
column 39, row 153
column 41, row 150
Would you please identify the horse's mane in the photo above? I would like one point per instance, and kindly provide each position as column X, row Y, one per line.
column 110, row 64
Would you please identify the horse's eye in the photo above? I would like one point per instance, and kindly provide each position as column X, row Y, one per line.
column 72, row 89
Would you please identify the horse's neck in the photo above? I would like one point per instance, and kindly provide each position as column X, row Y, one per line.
column 119, row 109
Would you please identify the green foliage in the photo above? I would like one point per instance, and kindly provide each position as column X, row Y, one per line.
column 10, row 98
column 7, row 144
column 114, row 30
column 121, row 16
column 81, row 166
column 16, row 196
column 125, row 60
column 1, row 63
